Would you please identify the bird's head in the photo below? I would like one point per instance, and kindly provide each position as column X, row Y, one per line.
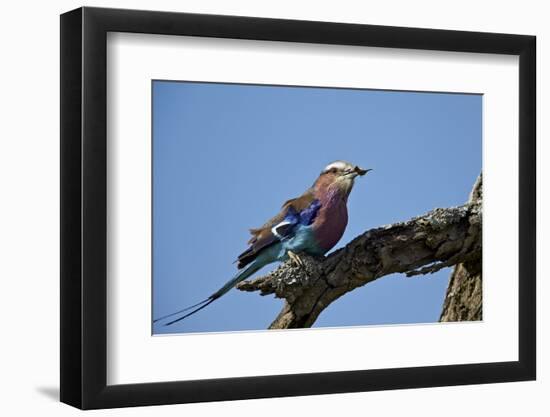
column 340, row 174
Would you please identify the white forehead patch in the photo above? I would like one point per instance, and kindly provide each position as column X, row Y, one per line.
column 339, row 165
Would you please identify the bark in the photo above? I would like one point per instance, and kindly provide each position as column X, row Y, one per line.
column 425, row 244
column 464, row 297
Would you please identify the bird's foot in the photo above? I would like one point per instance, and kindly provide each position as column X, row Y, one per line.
column 295, row 259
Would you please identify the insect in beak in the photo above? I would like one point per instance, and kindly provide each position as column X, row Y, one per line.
column 361, row 171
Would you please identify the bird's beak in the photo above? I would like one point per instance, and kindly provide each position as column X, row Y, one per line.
column 361, row 171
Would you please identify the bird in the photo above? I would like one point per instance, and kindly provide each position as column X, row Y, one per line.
column 312, row 224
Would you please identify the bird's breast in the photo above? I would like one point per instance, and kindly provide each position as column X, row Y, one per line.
column 330, row 224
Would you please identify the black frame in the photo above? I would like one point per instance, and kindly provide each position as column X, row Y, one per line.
column 84, row 198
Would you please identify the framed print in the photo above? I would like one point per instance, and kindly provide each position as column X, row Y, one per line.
column 372, row 184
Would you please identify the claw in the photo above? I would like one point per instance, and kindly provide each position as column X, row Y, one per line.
column 296, row 259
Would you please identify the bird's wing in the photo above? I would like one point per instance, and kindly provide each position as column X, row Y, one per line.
column 300, row 209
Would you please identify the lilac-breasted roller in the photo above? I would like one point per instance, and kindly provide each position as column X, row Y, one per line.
column 312, row 223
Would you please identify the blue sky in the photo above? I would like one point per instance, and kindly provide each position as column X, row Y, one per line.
column 226, row 156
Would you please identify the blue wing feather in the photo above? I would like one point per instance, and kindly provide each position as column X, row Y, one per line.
column 293, row 218
column 283, row 229
column 307, row 215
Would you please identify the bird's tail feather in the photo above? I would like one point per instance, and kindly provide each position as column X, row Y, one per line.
column 180, row 311
column 240, row 276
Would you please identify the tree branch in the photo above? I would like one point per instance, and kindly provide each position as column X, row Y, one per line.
column 464, row 295
column 422, row 245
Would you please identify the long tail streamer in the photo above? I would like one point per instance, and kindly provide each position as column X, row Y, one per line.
column 241, row 276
